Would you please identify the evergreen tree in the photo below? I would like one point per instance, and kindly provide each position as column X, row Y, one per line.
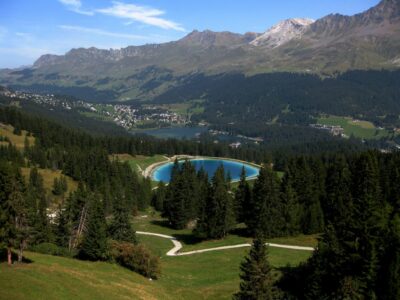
column 62, row 230
column 291, row 210
column 338, row 203
column 243, row 199
column 389, row 274
column 159, row 196
column 181, row 201
column 94, row 244
column 37, row 214
column 219, row 217
column 56, row 187
column 21, row 222
column 369, row 221
column 120, row 228
column 145, row 194
column 256, row 274
column 267, row 216
column 7, row 210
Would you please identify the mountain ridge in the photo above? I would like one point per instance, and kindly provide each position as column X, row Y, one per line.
column 334, row 43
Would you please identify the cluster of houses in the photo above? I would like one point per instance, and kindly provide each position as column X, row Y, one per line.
column 128, row 116
column 123, row 115
column 332, row 129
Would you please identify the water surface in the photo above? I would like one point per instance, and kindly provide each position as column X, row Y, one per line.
column 234, row 168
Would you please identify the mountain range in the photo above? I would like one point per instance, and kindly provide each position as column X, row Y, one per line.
column 327, row 46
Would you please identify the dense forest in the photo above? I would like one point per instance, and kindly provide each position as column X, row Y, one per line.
column 350, row 197
column 251, row 103
column 352, row 200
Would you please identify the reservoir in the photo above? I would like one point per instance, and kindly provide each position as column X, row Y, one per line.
column 234, row 168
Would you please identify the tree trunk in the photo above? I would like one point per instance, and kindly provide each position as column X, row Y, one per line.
column 21, row 251
column 9, row 256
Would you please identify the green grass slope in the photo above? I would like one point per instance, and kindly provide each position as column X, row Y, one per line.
column 50, row 277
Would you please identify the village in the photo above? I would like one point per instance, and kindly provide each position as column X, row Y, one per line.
column 126, row 116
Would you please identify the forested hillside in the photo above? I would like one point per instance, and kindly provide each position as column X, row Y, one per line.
column 351, row 198
column 251, row 104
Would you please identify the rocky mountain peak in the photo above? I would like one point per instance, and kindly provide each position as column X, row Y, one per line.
column 282, row 32
column 208, row 38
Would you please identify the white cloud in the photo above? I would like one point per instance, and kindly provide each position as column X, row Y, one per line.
column 103, row 32
column 75, row 6
column 142, row 14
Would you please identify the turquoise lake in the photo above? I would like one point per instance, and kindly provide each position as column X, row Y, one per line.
column 234, row 168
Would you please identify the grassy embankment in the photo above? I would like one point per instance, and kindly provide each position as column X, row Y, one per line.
column 139, row 162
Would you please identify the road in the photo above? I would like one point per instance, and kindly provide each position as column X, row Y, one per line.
column 175, row 251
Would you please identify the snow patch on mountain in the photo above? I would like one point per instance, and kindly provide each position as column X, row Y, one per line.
column 283, row 32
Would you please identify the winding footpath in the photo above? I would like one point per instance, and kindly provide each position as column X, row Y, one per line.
column 175, row 251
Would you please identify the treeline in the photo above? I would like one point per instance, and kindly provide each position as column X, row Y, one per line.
column 288, row 206
column 275, row 207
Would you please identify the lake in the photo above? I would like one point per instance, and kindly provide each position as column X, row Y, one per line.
column 173, row 132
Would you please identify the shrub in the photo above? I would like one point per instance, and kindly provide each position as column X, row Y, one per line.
column 51, row 249
column 136, row 258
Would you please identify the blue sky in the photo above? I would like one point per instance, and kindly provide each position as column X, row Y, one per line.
column 30, row 28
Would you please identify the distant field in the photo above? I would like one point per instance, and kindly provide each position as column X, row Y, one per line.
column 191, row 107
column 358, row 128
column 17, row 140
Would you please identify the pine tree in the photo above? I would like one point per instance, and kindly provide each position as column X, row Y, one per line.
column 256, row 274
column 94, row 244
column 21, row 222
column 291, row 210
column 267, row 216
column 120, row 228
column 243, row 199
column 181, row 205
column 219, row 217
column 38, row 209
column 145, row 194
column 338, row 201
column 369, row 221
column 7, row 210
column 159, row 196
column 56, row 187
column 62, row 231
column 389, row 275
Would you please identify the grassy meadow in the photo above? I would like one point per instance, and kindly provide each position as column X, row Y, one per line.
column 210, row 275
column 358, row 128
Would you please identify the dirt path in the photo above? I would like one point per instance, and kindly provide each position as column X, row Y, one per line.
column 175, row 251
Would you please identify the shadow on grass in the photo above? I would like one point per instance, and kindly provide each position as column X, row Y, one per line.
column 162, row 223
column 293, row 280
column 242, row 232
column 188, row 239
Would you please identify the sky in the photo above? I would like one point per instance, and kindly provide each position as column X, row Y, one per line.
column 30, row 28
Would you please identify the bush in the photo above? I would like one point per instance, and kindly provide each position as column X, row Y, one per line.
column 51, row 249
column 136, row 258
